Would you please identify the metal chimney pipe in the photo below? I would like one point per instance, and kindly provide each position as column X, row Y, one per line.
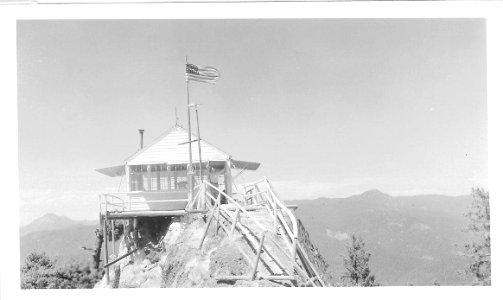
column 141, row 137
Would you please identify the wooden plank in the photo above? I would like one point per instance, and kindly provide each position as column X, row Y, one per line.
column 146, row 213
column 234, row 222
column 135, row 232
column 276, row 277
column 257, row 259
column 105, row 234
column 207, row 227
column 303, row 255
column 113, row 237
column 218, row 213
column 253, row 207
column 196, row 211
column 228, row 178
column 232, row 278
column 266, row 277
column 248, row 258
column 119, row 258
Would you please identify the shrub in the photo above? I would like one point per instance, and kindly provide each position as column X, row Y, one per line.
column 479, row 250
column 42, row 272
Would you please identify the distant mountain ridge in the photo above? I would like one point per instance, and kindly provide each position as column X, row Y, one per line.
column 58, row 236
column 51, row 221
column 412, row 238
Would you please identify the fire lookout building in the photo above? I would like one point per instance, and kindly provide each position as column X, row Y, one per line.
column 156, row 176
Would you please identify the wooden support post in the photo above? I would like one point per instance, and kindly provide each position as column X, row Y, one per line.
column 119, row 258
column 259, row 250
column 148, row 186
column 97, row 247
column 117, row 277
column 199, row 146
column 255, row 191
column 228, row 178
column 201, row 204
column 190, row 171
column 135, row 233
column 207, row 227
column 105, row 234
column 175, row 178
column 234, row 222
column 127, row 233
column 294, row 248
column 113, row 237
column 218, row 213
column 128, row 187
column 124, row 229
column 275, row 224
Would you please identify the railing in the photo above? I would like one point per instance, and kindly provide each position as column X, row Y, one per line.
column 116, row 205
column 256, row 195
column 113, row 202
column 138, row 201
column 208, row 198
column 277, row 209
column 213, row 197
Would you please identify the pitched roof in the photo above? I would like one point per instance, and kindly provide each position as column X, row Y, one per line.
column 113, row 171
column 172, row 148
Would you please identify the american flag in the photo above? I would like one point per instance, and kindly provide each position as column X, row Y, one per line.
column 201, row 74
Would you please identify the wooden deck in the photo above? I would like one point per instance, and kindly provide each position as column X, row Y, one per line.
column 142, row 204
column 145, row 213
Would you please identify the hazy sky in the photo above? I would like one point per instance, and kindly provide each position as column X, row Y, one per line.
column 329, row 107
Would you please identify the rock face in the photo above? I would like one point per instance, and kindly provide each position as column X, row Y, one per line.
column 315, row 256
column 182, row 264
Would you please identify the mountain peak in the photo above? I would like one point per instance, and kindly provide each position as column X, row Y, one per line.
column 51, row 218
column 373, row 194
column 49, row 221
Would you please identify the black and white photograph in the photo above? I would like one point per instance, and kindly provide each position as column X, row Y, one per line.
column 233, row 152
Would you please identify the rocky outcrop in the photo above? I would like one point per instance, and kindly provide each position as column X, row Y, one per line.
column 314, row 255
column 178, row 261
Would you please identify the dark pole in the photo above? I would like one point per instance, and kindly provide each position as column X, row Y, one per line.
column 98, row 242
column 199, row 146
column 105, row 234
column 141, row 137
column 189, row 169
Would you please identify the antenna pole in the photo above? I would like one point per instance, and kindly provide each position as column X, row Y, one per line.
column 199, row 146
column 190, row 172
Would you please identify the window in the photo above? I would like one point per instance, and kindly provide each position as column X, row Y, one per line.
column 158, row 177
column 136, row 177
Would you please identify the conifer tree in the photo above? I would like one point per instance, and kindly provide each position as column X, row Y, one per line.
column 479, row 250
column 357, row 264
column 42, row 272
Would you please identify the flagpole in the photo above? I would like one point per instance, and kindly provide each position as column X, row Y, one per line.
column 189, row 169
